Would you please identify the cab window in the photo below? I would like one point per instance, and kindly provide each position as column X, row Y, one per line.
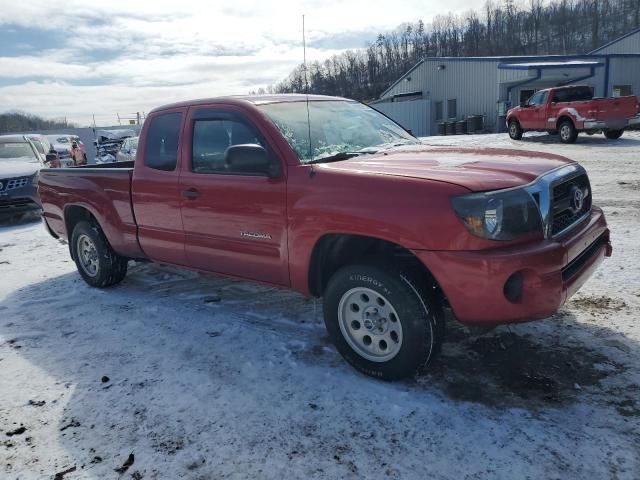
column 161, row 147
column 538, row 99
column 212, row 137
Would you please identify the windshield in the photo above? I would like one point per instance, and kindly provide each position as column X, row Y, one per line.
column 336, row 127
column 15, row 150
column 38, row 145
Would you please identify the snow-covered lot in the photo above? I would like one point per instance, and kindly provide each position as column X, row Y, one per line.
column 203, row 377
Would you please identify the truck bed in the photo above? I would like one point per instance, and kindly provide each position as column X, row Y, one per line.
column 103, row 190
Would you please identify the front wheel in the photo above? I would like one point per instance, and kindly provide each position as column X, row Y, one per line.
column 613, row 134
column 96, row 261
column 383, row 321
column 515, row 131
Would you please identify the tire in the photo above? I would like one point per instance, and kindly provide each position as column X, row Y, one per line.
column 408, row 327
column 613, row 134
column 95, row 260
column 568, row 133
column 515, row 131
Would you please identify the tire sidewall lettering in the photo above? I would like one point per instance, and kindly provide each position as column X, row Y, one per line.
column 369, row 280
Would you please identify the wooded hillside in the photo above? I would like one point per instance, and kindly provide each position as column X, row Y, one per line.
column 528, row 27
column 13, row 122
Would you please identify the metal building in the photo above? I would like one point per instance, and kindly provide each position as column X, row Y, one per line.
column 446, row 89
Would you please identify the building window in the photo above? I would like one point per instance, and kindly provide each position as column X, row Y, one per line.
column 622, row 90
column 439, row 113
column 452, row 111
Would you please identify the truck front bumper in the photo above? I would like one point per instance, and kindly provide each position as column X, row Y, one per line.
column 521, row 283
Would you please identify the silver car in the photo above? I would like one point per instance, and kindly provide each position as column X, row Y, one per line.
column 127, row 152
column 20, row 163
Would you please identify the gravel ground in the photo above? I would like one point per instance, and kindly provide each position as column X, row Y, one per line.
column 176, row 375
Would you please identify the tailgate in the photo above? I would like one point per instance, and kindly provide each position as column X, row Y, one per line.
column 615, row 108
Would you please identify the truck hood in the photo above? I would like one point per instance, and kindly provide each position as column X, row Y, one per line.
column 18, row 168
column 475, row 169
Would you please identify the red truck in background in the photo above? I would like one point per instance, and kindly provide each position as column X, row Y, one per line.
column 570, row 110
column 330, row 198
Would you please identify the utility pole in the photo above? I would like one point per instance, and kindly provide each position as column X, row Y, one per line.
column 138, row 117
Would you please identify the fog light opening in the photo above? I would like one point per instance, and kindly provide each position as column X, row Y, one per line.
column 513, row 288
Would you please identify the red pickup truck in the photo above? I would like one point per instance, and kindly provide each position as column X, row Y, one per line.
column 569, row 110
column 330, row 198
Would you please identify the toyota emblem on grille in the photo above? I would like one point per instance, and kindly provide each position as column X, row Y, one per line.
column 577, row 198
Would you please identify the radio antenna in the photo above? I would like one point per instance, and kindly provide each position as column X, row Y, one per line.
column 306, row 87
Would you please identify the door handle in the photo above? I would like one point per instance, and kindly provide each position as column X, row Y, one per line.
column 191, row 193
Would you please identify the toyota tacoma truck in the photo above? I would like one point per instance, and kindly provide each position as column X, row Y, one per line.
column 566, row 111
column 332, row 199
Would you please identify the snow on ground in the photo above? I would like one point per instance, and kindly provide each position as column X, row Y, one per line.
column 201, row 377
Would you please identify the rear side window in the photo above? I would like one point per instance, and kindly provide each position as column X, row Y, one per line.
column 575, row 94
column 161, row 147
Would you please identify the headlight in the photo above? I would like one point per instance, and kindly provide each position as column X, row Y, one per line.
column 501, row 215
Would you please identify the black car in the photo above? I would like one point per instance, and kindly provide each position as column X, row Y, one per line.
column 19, row 167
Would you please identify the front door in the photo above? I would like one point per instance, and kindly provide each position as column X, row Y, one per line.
column 234, row 222
column 535, row 112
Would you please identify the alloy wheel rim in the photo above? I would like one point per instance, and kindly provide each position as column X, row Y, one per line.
column 88, row 255
column 564, row 131
column 370, row 324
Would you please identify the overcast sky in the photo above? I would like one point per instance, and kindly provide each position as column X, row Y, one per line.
column 76, row 58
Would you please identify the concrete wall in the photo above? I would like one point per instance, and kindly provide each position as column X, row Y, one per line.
column 414, row 115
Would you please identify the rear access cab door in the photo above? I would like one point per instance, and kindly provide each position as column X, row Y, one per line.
column 155, row 189
column 235, row 222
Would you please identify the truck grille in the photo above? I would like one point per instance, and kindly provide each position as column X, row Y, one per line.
column 13, row 183
column 571, row 201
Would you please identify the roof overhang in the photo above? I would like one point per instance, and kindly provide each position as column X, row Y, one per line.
column 546, row 65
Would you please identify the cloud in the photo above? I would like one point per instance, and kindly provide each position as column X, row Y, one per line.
column 75, row 58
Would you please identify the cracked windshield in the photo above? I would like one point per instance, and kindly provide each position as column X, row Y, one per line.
column 338, row 128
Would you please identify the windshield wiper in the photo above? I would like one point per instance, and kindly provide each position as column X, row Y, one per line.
column 336, row 157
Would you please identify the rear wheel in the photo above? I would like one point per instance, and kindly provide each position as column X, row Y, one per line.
column 383, row 321
column 613, row 134
column 96, row 261
column 515, row 131
column 568, row 133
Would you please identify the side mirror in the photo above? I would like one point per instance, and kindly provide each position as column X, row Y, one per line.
column 249, row 158
column 51, row 157
column 524, row 104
